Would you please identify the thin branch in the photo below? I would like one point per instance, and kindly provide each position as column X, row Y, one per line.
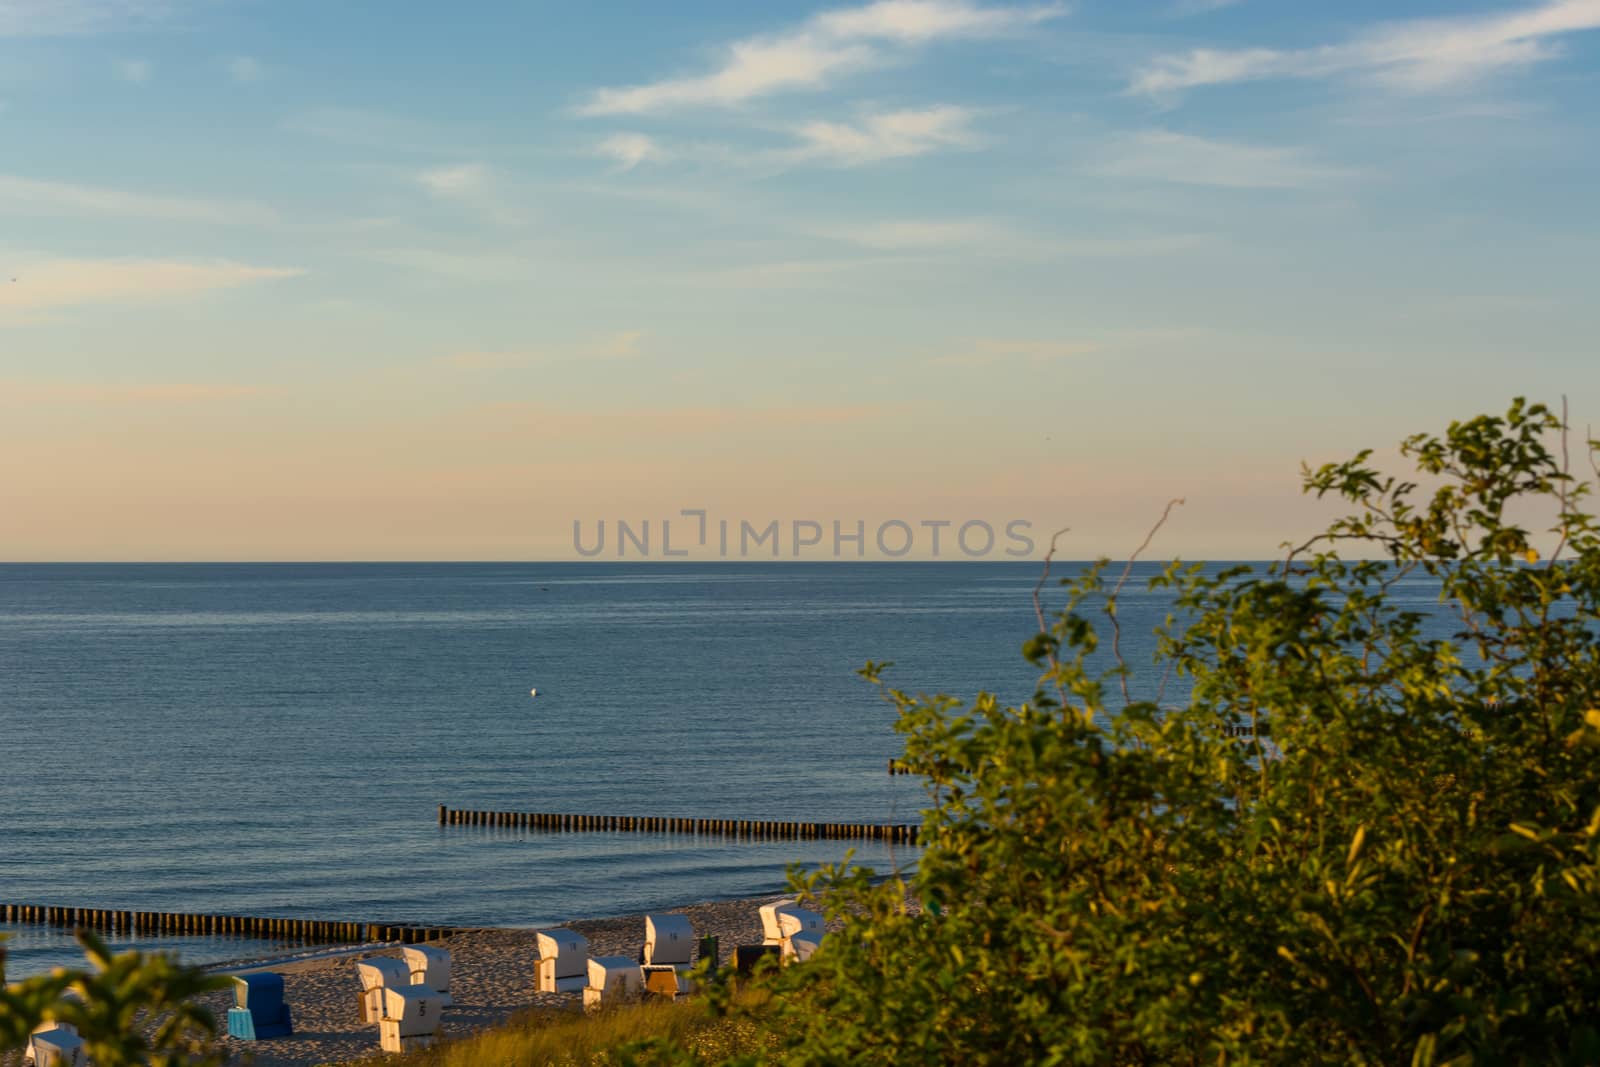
column 1116, row 626
column 1566, row 481
column 1038, row 612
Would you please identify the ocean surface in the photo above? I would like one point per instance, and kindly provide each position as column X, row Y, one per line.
column 276, row 739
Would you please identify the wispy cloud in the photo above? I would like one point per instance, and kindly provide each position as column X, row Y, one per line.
column 1190, row 8
column 463, row 180
column 59, row 18
column 904, row 234
column 70, row 199
column 629, row 150
column 621, row 345
column 810, row 55
column 135, row 71
column 887, row 135
column 996, row 238
column 489, row 267
column 1161, row 155
column 362, row 128
column 60, row 283
column 244, row 69
column 474, row 186
column 916, row 21
column 32, row 392
column 986, row 352
column 679, row 421
column 1422, row 54
column 472, row 360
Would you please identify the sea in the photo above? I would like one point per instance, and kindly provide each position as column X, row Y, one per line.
column 276, row 739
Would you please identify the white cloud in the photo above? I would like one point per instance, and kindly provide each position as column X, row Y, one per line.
column 466, row 179
column 62, row 283
column 69, row 199
column 16, row 392
column 991, row 237
column 374, row 129
column 58, row 18
column 629, row 150
column 485, row 267
column 472, row 186
column 888, row 135
column 1423, row 54
column 137, row 71
column 807, row 57
column 476, row 360
column 244, row 69
column 753, row 68
column 915, row 21
column 922, row 234
column 1175, row 157
column 620, row 345
column 1189, row 8
column 986, row 352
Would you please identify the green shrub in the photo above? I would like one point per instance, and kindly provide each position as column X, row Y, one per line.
column 1410, row 878
column 132, row 1009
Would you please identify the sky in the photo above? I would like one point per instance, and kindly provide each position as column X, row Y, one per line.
column 377, row 279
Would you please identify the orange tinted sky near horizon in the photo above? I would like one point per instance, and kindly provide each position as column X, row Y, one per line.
column 370, row 280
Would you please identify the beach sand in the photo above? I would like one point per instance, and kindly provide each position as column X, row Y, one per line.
column 491, row 978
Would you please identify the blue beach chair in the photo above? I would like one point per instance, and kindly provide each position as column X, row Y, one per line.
column 261, row 1011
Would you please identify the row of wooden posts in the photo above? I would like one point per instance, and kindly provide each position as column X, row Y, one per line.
column 179, row 923
column 529, row 820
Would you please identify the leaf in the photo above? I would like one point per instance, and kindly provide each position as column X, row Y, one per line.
column 1355, row 844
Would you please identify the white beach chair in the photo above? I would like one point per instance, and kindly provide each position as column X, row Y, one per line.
column 802, row 944
column 429, row 966
column 797, row 920
column 42, row 1028
column 377, row 974
column 410, row 1018
column 563, row 962
column 669, row 939
column 55, row 1045
column 771, row 932
column 781, row 919
column 612, row 978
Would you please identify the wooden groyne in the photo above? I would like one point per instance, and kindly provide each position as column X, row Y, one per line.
column 178, row 924
column 660, row 824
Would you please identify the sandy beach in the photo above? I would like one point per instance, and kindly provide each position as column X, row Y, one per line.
column 492, row 977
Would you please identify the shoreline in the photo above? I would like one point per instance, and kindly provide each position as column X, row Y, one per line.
column 492, row 979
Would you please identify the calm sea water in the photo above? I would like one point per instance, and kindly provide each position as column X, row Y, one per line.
column 275, row 739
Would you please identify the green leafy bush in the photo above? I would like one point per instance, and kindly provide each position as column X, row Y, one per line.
column 1405, row 873
column 131, row 1010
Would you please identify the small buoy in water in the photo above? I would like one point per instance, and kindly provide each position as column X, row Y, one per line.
column 533, row 692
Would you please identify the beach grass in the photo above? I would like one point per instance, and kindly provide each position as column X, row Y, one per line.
column 562, row 1038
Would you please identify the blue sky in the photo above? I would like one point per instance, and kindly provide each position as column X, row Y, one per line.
column 402, row 280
